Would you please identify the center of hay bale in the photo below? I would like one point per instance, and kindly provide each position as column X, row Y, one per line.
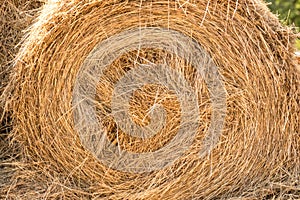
column 145, row 99
column 142, row 101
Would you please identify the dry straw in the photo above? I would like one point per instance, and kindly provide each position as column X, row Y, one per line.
column 15, row 16
column 82, row 59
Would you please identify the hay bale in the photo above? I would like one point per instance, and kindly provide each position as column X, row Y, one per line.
column 156, row 100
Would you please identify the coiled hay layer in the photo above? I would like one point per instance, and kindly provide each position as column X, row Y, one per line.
column 156, row 100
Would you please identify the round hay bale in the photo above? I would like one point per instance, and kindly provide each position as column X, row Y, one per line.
column 156, row 100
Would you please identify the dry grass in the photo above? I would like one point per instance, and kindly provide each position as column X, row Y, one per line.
column 15, row 16
column 257, row 155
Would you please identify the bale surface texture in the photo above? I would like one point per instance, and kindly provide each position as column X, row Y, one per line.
column 105, row 46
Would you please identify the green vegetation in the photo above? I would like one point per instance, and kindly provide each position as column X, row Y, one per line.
column 298, row 44
column 288, row 11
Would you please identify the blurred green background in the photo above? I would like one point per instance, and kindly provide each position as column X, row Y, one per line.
column 288, row 11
